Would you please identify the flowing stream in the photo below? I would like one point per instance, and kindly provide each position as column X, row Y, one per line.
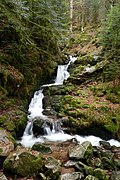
column 56, row 133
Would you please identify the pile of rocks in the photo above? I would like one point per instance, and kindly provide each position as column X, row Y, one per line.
column 38, row 163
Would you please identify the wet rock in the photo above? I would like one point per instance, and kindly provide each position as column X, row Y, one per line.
column 23, row 164
column 72, row 176
column 81, row 151
column 54, row 90
column 53, row 168
column 41, row 148
column 6, row 145
column 2, row 176
column 105, row 145
column 90, row 177
column 115, row 175
column 53, row 103
column 38, row 127
column 101, row 174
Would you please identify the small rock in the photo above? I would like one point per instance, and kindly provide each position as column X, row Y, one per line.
column 70, row 163
column 90, row 177
column 72, row 176
column 105, row 145
column 53, row 164
column 2, row 176
column 115, row 175
column 101, row 174
column 84, row 168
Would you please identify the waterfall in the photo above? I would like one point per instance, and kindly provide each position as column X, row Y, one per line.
column 28, row 129
column 55, row 132
column 36, row 105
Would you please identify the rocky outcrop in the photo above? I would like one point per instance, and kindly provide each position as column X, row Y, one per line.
column 87, row 73
column 6, row 145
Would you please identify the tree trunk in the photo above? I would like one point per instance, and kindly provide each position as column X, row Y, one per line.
column 71, row 16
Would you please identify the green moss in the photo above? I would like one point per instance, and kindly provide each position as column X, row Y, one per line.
column 2, row 119
column 25, row 165
column 1, row 150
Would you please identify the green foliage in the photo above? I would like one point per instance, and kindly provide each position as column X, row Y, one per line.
column 111, row 44
column 29, row 35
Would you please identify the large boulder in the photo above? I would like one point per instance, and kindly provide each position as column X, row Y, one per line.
column 6, row 145
column 81, row 151
column 23, row 163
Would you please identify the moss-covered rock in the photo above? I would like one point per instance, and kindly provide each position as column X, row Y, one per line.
column 84, row 168
column 6, row 143
column 82, row 151
column 23, row 164
column 41, row 148
column 14, row 121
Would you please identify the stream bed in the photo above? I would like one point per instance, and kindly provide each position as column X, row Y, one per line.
column 54, row 133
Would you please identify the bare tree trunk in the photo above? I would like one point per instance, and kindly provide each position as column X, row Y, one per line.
column 71, row 16
column 82, row 16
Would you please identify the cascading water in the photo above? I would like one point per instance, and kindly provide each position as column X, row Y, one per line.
column 55, row 134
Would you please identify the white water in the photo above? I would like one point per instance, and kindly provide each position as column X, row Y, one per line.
column 56, row 134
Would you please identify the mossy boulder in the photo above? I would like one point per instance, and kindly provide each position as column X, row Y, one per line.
column 23, row 164
column 41, row 148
